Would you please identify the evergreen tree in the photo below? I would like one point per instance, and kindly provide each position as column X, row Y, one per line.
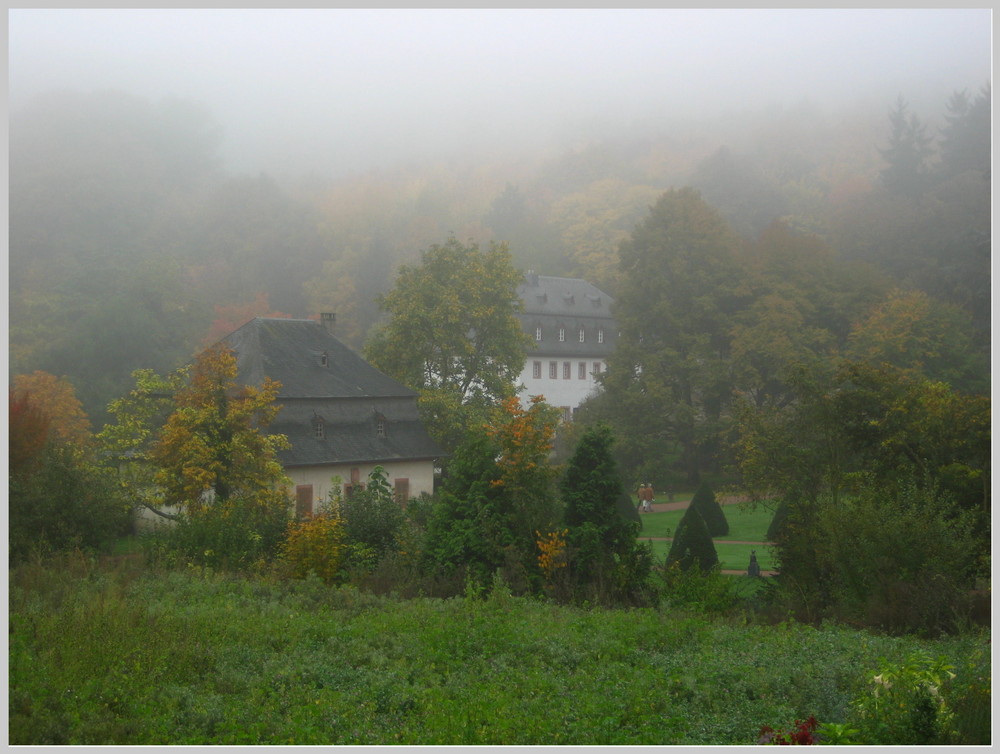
column 778, row 521
column 602, row 541
column 907, row 153
column 692, row 543
column 965, row 140
column 710, row 511
column 469, row 527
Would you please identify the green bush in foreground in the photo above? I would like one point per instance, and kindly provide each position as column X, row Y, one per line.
column 116, row 655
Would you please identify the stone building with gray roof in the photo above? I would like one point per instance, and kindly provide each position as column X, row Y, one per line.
column 342, row 416
column 572, row 331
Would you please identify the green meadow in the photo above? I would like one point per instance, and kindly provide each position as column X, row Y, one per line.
column 745, row 525
column 116, row 652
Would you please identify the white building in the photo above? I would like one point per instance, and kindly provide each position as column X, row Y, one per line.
column 573, row 333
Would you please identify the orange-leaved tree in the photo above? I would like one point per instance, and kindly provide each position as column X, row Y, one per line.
column 56, row 398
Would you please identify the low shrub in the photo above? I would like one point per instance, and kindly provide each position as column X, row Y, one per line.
column 239, row 534
column 63, row 503
column 315, row 545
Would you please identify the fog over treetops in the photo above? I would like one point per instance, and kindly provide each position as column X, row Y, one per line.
column 174, row 172
column 339, row 90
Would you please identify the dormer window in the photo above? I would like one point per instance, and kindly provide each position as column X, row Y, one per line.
column 581, row 335
column 319, row 428
column 380, row 426
column 562, row 334
column 600, row 335
column 538, row 333
column 324, row 359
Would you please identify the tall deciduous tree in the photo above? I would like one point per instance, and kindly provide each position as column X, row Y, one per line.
column 453, row 334
column 678, row 294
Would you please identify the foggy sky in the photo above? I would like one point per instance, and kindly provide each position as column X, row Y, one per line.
column 343, row 90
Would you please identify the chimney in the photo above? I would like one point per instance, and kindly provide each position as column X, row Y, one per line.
column 328, row 320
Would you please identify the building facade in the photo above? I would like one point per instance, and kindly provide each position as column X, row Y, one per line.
column 342, row 416
column 572, row 331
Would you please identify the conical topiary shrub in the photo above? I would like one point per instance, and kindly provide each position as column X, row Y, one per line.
column 778, row 522
column 692, row 543
column 711, row 512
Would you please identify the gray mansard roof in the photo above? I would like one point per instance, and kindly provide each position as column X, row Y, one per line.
column 367, row 416
column 568, row 304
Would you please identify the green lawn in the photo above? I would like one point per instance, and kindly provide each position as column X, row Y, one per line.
column 732, row 557
column 744, row 526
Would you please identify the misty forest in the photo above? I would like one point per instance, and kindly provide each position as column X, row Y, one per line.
column 802, row 297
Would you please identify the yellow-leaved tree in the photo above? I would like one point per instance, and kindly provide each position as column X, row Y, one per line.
column 210, row 457
column 213, row 449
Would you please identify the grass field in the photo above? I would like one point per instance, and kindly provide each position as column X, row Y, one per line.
column 113, row 653
column 744, row 526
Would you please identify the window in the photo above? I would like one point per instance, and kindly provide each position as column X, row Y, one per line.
column 597, row 367
column 553, row 370
column 380, row 426
column 536, row 370
column 355, row 485
column 566, row 370
column 582, row 370
column 538, row 332
column 562, row 334
column 319, row 428
column 581, row 335
column 324, row 359
column 303, row 500
column 402, row 491
column 600, row 335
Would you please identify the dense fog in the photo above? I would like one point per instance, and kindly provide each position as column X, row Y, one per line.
column 174, row 172
column 346, row 90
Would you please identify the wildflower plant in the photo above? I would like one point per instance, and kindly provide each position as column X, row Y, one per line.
column 905, row 703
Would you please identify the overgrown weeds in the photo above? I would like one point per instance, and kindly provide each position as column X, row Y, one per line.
column 106, row 652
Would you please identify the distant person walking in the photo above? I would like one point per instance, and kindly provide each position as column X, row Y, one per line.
column 645, row 497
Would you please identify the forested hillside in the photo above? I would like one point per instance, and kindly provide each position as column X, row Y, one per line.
column 131, row 245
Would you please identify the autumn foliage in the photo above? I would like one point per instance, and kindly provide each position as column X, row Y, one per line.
column 28, row 432
column 215, row 440
column 316, row 544
column 56, row 397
